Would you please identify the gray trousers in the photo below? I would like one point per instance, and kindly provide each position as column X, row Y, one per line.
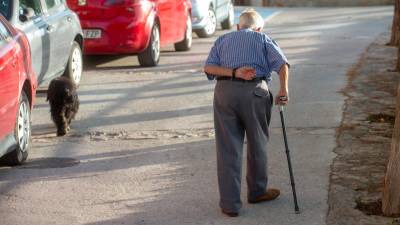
column 238, row 111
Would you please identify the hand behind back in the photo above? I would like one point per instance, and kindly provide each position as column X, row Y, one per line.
column 246, row 73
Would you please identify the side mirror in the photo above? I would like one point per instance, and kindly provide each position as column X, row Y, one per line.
column 27, row 14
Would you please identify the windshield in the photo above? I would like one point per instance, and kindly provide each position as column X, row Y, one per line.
column 5, row 8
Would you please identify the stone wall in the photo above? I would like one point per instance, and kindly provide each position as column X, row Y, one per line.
column 292, row 3
column 331, row 2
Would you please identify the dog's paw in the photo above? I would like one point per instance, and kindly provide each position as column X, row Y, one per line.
column 61, row 133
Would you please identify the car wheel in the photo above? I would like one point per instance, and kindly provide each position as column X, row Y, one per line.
column 186, row 43
column 228, row 23
column 151, row 54
column 211, row 25
column 75, row 64
column 22, row 132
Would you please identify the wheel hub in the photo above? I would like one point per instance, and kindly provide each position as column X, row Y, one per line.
column 23, row 127
column 211, row 23
column 76, row 65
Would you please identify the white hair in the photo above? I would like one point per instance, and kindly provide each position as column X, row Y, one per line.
column 251, row 19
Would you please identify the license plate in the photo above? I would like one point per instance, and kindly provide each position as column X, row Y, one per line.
column 91, row 34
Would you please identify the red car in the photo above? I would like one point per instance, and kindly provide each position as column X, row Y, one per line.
column 134, row 26
column 17, row 94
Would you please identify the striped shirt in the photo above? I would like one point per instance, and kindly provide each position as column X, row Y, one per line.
column 247, row 48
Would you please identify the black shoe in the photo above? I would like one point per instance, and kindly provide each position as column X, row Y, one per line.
column 230, row 214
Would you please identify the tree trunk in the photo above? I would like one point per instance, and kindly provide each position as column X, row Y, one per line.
column 398, row 59
column 395, row 37
column 391, row 190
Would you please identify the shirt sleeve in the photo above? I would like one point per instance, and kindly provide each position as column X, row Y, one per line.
column 275, row 57
column 213, row 59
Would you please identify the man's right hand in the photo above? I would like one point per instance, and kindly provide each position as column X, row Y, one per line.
column 246, row 73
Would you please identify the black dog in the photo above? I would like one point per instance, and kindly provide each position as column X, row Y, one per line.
column 64, row 103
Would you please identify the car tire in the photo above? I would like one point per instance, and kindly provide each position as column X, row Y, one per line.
column 74, row 68
column 186, row 43
column 151, row 55
column 211, row 25
column 228, row 23
column 22, row 133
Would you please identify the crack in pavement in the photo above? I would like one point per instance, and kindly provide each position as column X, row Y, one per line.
column 102, row 136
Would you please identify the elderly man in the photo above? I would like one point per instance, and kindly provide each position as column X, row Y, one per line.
column 242, row 63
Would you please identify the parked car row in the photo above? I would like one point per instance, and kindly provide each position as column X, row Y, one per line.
column 44, row 39
column 39, row 40
column 134, row 27
column 142, row 27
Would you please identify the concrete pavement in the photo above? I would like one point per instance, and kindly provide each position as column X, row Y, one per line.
column 144, row 136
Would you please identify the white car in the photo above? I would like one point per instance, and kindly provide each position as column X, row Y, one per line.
column 207, row 14
column 54, row 34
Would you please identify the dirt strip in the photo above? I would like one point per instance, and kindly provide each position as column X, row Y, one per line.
column 363, row 139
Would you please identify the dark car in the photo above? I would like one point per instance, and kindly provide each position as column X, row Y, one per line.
column 54, row 34
column 17, row 94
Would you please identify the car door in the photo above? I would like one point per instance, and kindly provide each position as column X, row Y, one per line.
column 166, row 14
column 60, row 33
column 35, row 29
column 9, row 81
column 180, row 19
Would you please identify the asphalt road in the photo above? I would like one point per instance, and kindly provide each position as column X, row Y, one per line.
column 141, row 150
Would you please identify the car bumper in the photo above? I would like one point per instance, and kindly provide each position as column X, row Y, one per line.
column 199, row 15
column 199, row 23
column 118, row 36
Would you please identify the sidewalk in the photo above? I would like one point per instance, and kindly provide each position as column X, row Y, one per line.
column 364, row 138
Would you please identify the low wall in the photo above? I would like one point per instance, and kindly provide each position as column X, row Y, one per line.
column 331, row 2
column 293, row 3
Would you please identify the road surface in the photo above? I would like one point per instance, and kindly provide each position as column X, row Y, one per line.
column 141, row 150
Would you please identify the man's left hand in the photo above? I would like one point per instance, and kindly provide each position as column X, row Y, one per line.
column 246, row 73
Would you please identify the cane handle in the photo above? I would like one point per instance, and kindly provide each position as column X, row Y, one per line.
column 282, row 99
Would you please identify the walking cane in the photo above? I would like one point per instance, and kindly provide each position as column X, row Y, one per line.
column 296, row 206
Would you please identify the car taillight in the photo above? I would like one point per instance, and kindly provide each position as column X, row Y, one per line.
column 114, row 2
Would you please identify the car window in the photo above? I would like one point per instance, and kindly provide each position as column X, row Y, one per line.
column 32, row 4
column 5, row 8
column 5, row 35
column 4, row 32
